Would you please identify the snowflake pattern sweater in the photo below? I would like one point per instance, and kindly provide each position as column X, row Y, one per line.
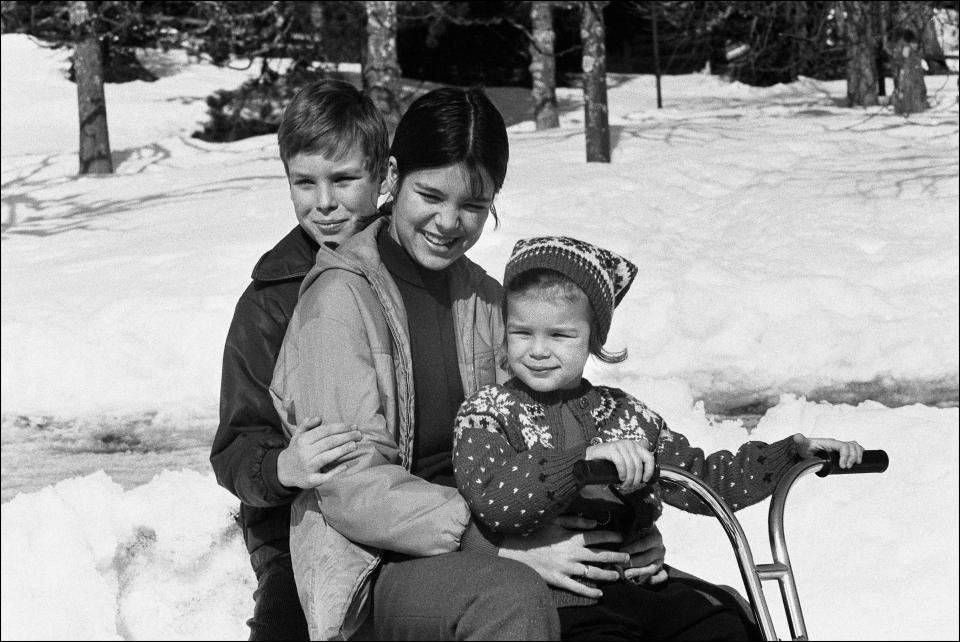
column 515, row 470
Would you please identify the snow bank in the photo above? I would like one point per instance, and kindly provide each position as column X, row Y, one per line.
column 165, row 561
column 162, row 561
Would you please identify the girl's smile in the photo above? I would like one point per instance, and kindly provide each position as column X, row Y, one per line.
column 437, row 216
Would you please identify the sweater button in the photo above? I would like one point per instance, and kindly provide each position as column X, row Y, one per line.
column 583, row 403
column 596, row 441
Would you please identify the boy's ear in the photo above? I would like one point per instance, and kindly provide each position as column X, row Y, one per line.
column 389, row 183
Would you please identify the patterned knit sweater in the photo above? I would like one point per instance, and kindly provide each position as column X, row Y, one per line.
column 515, row 469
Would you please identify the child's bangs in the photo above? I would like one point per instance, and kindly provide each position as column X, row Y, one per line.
column 337, row 145
column 549, row 284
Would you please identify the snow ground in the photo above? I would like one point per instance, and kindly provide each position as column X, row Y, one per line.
column 787, row 246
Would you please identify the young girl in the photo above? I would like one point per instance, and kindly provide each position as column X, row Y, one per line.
column 390, row 334
column 516, row 443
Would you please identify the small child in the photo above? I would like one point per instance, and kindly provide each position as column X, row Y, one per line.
column 516, row 443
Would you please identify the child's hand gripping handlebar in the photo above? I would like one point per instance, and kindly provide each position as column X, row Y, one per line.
column 873, row 461
column 599, row 471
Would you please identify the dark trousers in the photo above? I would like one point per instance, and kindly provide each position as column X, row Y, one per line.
column 678, row 609
column 461, row 596
column 277, row 614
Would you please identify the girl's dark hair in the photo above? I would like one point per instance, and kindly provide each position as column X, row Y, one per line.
column 541, row 281
column 448, row 126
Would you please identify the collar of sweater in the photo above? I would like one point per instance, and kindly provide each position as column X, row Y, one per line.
column 554, row 397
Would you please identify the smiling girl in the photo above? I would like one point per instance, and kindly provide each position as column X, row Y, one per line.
column 391, row 332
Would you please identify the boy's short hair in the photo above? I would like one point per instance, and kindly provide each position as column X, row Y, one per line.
column 332, row 117
column 541, row 281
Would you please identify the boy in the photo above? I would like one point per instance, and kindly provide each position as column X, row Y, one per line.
column 516, row 444
column 333, row 144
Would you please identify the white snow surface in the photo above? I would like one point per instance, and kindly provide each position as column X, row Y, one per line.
column 785, row 244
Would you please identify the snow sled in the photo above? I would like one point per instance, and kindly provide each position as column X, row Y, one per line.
column 753, row 574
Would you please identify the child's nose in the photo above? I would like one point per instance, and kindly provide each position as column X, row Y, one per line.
column 326, row 199
column 539, row 348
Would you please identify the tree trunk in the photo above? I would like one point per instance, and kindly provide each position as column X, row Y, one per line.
column 910, row 95
column 596, row 123
column 861, row 45
column 92, row 106
column 543, row 67
column 381, row 71
column 656, row 51
column 909, row 88
column 882, row 47
column 318, row 22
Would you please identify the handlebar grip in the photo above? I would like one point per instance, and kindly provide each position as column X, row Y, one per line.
column 601, row 471
column 874, row 461
column 596, row 471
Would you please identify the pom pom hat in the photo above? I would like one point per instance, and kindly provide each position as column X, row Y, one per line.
column 604, row 276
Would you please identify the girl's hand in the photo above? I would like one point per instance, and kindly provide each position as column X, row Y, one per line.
column 560, row 555
column 635, row 464
column 851, row 452
column 312, row 448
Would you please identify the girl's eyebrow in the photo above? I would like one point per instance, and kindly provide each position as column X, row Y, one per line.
column 428, row 188
column 479, row 198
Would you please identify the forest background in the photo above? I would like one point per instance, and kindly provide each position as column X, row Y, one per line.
column 541, row 45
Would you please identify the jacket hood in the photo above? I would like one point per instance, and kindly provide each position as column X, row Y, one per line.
column 291, row 258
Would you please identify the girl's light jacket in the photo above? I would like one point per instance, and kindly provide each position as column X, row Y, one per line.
column 346, row 358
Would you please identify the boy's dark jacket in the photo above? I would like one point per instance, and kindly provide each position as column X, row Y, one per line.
column 249, row 437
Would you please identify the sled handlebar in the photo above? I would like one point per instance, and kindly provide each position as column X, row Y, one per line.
column 601, row 471
column 874, row 461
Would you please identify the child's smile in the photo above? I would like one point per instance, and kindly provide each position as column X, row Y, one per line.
column 548, row 339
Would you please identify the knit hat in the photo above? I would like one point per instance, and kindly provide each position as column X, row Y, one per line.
column 604, row 276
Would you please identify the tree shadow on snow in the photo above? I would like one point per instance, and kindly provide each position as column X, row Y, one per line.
column 81, row 215
column 20, row 194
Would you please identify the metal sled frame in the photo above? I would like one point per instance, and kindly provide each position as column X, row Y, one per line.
column 780, row 569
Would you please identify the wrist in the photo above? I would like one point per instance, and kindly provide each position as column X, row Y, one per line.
column 285, row 470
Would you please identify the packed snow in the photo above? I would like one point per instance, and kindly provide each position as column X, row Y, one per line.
column 790, row 250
